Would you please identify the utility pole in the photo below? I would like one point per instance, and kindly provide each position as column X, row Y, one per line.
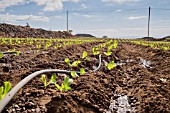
column 67, row 20
column 149, row 21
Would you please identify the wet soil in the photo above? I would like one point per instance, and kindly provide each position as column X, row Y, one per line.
column 140, row 82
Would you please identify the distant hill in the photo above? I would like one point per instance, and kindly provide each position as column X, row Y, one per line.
column 84, row 35
column 148, row 38
column 7, row 30
column 167, row 38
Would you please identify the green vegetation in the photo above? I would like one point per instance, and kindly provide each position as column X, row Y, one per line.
column 84, row 56
column 52, row 80
column 153, row 44
column 5, row 89
column 65, row 86
column 1, row 55
column 82, row 71
column 95, row 51
column 110, row 65
column 74, row 64
column 74, row 74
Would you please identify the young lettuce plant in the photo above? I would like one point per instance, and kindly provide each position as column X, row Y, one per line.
column 1, row 54
column 108, row 53
column 18, row 53
column 84, row 56
column 66, row 60
column 110, row 65
column 74, row 64
column 65, row 86
column 52, row 79
column 95, row 51
column 115, row 44
column 5, row 89
column 82, row 71
column 74, row 74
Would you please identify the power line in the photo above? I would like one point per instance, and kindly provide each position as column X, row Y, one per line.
column 160, row 8
column 104, row 11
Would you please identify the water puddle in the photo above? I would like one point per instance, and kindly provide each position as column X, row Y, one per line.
column 145, row 63
column 142, row 62
column 121, row 104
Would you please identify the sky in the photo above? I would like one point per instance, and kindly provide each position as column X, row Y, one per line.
column 112, row 18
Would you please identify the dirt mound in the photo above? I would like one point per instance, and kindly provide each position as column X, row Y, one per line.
column 7, row 30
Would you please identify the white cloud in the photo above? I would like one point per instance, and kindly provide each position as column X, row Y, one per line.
column 164, row 20
column 120, row 1
column 118, row 10
column 11, row 18
column 87, row 16
column 59, row 17
column 136, row 17
column 7, row 3
column 83, row 6
column 49, row 5
column 90, row 16
column 75, row 14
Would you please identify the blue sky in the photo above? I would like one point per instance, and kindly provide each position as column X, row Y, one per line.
column 113, row 18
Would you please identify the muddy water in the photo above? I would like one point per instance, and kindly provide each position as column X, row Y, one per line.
column 121, row 104
column 141, row 61
column 145, row 63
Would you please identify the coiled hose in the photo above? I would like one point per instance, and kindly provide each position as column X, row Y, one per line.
column 15, row 89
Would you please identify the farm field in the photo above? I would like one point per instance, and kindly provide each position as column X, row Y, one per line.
column 137, row 81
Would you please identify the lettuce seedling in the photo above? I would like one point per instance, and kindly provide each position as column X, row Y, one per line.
column 75, row 63
column 108, row 53
column 109, row 42
column 1, row 54
column 43, row 78
column 110, row 47
column 74, row 74
column 95, row 50
column 82, row 71
column 164, row 47
column 52, row 79
column 84, row 56
column 5, row 89
column 18, row 53
column 65, row 86
column 115, row 44
column 67, row 61
column 111, row 65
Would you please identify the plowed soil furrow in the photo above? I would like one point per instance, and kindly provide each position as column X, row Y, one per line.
column 142, row 76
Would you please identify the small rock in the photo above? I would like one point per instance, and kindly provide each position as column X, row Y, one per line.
column 37, row 110
column 13, row 110
column 105, row 81
column 101, row 110
column 96, row 106
column 16, row 106
column 33, row 110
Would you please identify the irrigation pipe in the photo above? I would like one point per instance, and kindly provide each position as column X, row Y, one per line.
column 15, row 89
column 9, row 52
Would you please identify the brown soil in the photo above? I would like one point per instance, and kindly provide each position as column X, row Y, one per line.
column 141, row 78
